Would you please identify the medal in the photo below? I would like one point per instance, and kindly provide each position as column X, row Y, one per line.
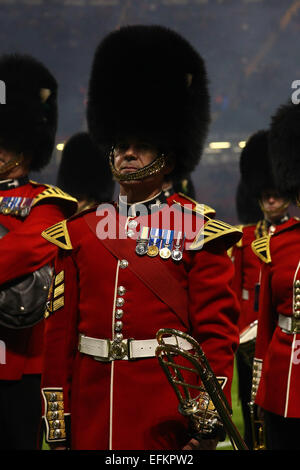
column 142, row 242
column 165, row 252
column 141, row 249
column 177, row 251
column 25, row 206
column 167, row 238
column 4, row 205
column 152, row 250
column 153, row 242
column 176, row 255
column 16, row 205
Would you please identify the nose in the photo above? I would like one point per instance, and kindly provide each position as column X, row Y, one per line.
column 130, row 148
column 130, row 152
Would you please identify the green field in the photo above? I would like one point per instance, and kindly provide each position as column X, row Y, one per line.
column 236, row 413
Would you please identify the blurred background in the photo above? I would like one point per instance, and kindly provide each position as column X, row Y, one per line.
column 250, row 49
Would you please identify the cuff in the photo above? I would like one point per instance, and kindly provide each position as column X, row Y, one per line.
column 256, row 376
column 54, row 415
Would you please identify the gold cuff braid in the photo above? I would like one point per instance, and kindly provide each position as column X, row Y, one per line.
column 54, row 414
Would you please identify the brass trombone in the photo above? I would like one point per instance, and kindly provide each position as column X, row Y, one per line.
column 203, row 402
column 257, row 427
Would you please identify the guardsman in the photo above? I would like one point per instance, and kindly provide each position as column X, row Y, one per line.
column 126, row 271
column 84, row 173
column 246, row 284
column 261, row 211
column 276, row 373
column 27, row 136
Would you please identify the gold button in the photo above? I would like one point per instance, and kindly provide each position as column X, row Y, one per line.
column 118, row 326
column 119, row 313
column 121, row 290
column 119, row 337
column 130, row 233
column 132, row 224
column 120, row 302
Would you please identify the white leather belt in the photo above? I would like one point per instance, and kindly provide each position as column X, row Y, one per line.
column 109, row 350
column 289, row 324
column 245, row 294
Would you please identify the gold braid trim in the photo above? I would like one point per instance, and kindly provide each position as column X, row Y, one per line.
column 261, row 229
column 54, row 416
column 58, row 235
column 53, row 192
column 261, row 248
column 256, row 375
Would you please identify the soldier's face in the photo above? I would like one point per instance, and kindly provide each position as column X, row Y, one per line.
column 133, row 155
column 7, row 171
column 273, row 205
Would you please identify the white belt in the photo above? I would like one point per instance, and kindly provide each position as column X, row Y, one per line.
column 108, row 350
column 289, row 324
column 245, row 294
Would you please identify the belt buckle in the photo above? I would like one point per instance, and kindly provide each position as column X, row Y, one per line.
column 117, row 350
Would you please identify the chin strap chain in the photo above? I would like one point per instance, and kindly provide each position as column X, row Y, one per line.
column 13, row 163
column 152, row 169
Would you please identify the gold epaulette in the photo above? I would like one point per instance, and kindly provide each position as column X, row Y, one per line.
column 53, row 192
column 230, row 251
column 261, row 248
column 214, row 229
column 202, row 209
column 240, row 242
column 58, row 235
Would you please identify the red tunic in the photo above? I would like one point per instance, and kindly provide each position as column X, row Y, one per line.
column 23, row 251
column 129, row 404
column 246, row 277
column 277, row 352
column 247, row 266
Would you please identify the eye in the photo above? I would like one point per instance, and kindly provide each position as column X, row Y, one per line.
column 145, row 146
column 121, row 147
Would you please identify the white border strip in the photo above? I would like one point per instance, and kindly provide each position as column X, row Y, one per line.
column 292, row 354
column 112, row 362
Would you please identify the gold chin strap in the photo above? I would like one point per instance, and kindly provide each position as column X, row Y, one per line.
column 14, row 162
column 152, row 169
column 283, row 206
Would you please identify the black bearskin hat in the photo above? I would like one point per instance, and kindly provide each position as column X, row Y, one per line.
column 284, row 145
column 28, row 120
column 247, row 206
column 185, row 186
column 149, row 83
column 255, row 166
column 84, row 172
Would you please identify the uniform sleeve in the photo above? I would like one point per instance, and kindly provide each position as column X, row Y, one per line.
column 60, row 345
column 214, row 311
column 23, row 251
column 265, row 328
